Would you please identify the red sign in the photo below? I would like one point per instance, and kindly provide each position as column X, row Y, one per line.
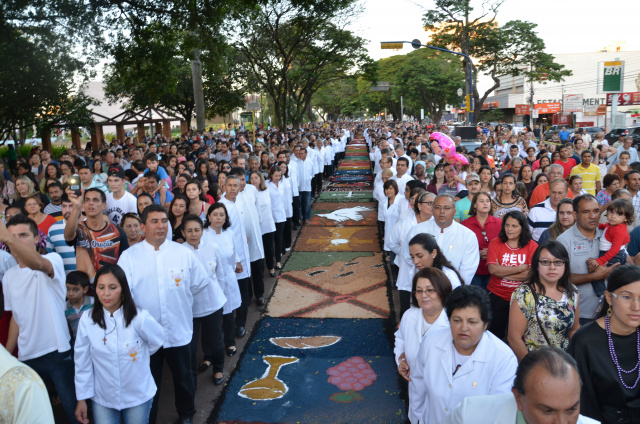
column 522, row 109
column 625, row 99
column 543, row 108
column 584, row 124
column 492, row 105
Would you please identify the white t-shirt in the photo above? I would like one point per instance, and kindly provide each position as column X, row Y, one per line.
column 117, row 208
column 38, row 303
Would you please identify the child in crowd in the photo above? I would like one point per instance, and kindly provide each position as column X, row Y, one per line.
column 77, row 300
column 616, row 234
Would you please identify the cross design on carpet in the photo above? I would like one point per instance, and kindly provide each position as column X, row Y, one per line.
column 334, row 297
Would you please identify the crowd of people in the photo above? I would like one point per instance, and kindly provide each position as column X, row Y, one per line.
column 523, row 248
column 519, row 258
column 120, row 259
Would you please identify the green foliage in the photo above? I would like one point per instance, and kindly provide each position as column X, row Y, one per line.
column 493, row 115
column 294, row 47
column 513, row 49
column 37, row 89
column 338, row 98
column 429, row 79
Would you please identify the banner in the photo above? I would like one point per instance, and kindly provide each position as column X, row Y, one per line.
column 543, row 108
column 625, row 99
column 522, row 109
column 572, row 103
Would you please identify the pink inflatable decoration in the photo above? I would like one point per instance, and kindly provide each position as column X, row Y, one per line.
column 448, row 149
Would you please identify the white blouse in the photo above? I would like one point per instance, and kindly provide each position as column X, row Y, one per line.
column 112, row 364
column 267, row 225
column 212, row 298
column 226, row 266
column 277, row 202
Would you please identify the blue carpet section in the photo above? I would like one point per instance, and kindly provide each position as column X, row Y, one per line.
column 362, row 368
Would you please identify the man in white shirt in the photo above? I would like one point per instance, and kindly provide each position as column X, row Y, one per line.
column 305, row 174
column 246, row 202
column 229, row 199
column 35, row 291
column 164, row 277
column 402, row 176
column 546, row 389
column 458, row 243
column 119, row 201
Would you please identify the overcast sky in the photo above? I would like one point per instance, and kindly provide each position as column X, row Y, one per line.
column 566, row 26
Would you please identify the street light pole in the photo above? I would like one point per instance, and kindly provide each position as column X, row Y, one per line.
column 416, row 44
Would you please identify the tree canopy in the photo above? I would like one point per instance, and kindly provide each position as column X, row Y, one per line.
column 512, row 49
column 294, row 47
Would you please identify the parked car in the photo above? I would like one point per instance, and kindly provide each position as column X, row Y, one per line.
column 614, row 135
column 548, row 134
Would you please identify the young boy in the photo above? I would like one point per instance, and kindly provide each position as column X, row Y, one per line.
column 77, row 300
column 151, row 160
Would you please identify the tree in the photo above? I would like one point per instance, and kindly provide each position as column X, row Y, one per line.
column 429, row 79
column 384, row 70
column 152, row 68
column 294, row 47
column 47, row 48
column 513, row 49
column 336, row 99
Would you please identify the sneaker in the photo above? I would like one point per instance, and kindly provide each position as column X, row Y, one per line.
column 287, row 249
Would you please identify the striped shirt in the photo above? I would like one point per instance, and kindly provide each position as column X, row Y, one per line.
column 541, row 217
column 57, row 243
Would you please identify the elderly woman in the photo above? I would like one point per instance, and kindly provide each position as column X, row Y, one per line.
column 607, row 352
column 460, row 361
column 610, row 183
column 544, row 310
column 430, row 290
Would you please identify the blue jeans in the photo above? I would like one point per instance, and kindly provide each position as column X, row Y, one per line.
column 134, row 415
column 57, row 369
column 305, row 205
column 480, row 281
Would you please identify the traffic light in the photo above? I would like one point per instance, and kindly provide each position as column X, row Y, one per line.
column 467, row 103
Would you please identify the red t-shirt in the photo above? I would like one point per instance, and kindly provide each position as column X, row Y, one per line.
column 500, row 253
column 571, row 162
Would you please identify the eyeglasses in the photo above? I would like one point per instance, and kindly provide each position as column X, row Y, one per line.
column 427, row 203
column 426, row 291
column 484, row 234
column 443, row 208
column 625, row 298
column 548, row 262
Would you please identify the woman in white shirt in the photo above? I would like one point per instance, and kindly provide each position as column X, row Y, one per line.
column 431, row 288
column 267, row 225
column 207, row 306
column 113, row 345
column 378, row 194
column 288, row 206
column 217, row 230
column 391, row 213
column 277, row 195
column 465, row 360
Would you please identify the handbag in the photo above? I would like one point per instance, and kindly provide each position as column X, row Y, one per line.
column 535, row 298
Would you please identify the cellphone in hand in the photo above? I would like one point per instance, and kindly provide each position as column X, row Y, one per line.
column 74, row 184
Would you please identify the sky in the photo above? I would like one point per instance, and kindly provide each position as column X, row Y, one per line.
column 566, row 26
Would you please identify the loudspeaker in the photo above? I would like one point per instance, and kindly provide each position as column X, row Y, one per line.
column 467, row 133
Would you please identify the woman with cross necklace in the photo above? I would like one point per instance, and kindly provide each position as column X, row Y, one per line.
column 114, row 343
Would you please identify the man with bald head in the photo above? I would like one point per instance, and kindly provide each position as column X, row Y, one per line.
column 541, row 192
column 546, row 390
column 543, row 215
